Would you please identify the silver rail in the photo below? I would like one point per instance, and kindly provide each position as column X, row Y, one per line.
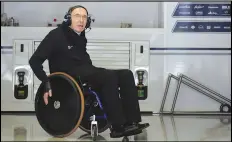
column 180, row 80
column 206, row 88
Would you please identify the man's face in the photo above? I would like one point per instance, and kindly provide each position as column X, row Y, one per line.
column 79, row 19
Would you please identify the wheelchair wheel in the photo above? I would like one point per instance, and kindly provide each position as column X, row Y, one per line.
column 93, row 108
column 64, row 111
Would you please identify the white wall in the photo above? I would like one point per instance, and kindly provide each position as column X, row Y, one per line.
column 107, row 14
column 211, row 68
column 160, row 15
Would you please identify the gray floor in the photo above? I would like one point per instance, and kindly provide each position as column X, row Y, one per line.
column 166, row 128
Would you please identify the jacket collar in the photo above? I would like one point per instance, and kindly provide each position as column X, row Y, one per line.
column 72, row 37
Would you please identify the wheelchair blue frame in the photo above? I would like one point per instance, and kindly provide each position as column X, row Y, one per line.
column 98, row 100
column 100, row 104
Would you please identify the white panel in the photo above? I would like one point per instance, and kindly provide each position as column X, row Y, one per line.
column 142, row 57
column 21, row 51
column 110, row 55
column 7, row 68
column 157, row 81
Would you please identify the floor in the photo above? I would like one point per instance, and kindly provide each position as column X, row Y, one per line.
column 166, row 128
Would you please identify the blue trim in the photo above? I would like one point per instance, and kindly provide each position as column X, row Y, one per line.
column 162, row 48
column 153, row 48
column 199, row 54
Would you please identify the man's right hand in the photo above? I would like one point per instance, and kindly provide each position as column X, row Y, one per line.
column 49, row 93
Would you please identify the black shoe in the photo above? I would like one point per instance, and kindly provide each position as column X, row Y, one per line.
column 143, row 126
column 140, row 126
column 135, row 130
column 117, row 132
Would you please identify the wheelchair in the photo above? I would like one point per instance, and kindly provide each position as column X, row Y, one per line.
column 73, row 105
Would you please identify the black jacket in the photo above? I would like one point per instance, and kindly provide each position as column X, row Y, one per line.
column 65, row 51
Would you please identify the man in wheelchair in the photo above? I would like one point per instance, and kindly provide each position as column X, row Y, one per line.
column 65, row 49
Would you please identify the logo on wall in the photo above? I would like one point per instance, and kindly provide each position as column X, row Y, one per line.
column 184, row 6
column 202, row 10
column 199, row 7
column 212, row 13
column 213, row 7
column 199, row 13
column 202, row 27
column 225, row 7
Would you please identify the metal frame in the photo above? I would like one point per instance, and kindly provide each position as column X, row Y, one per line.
column 180, row 80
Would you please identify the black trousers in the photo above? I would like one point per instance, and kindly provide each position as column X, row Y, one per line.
column 122, row 105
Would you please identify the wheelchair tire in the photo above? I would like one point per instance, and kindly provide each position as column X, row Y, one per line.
column 64, row 111
column 96, row 110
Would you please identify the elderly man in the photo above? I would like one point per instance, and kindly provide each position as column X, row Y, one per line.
column 65, row 49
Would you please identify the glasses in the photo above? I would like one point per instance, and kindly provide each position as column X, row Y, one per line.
column 79, row 17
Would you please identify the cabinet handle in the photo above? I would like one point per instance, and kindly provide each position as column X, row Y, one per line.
column 21, row 49
column 141, row 49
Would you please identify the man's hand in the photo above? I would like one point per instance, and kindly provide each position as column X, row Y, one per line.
column 49, row 93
